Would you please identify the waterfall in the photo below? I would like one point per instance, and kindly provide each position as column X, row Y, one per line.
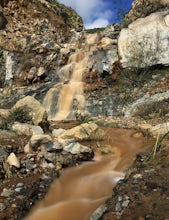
column 70, row 91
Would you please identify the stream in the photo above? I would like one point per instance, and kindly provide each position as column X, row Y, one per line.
column 80, row 190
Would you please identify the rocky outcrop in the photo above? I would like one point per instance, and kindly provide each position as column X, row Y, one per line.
column 31, row 33
column 148, row 105
column 142, row 8
column 145, row 42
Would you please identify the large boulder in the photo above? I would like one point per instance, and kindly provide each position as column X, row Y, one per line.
column 84, row 132
column 38, row 113
column 142, row 8
column 145, row 41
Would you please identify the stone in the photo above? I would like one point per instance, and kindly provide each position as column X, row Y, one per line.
column 2, row 206
column 160, row 129
column 7, row 192
column 41, row 71
column 3, row 153
column 98, row 212
column 57, row 132
column 13, row 160
column 76, row 148
column 27, row 129
column 28, row 149
column 38, row 140
column 38, row 113
column 145, row 105
column 138, row 47
column 84, row 132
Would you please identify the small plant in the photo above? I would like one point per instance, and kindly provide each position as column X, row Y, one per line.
column 159, row 143
column 20, row 114
column 112, row 124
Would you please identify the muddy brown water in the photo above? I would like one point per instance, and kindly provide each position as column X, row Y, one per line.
column 81, row 189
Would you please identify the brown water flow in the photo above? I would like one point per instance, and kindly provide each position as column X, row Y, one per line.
column 73, row 90
column 80, row 190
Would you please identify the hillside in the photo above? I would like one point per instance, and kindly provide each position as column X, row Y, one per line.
column 55, row 75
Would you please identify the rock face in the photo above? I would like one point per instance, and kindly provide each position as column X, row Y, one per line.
column 30, row 37
column 142, row 8
column 145, row 42
column 149, row 105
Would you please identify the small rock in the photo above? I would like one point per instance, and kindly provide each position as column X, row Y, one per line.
column 65, row 142
column 3, row 153
column 125, row 203
column 137, row 176
column 13, row 206
column 7, row 192
column 19, row 185
column 41, row 71
column 57, row 132
column 18, row 189
column 98, row 212
column 28, row 148
column 118, row 207
column 38, row 140
column 2, row 206
column 13, row 160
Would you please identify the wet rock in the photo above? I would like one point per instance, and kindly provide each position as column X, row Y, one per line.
column 13, row 160
column 76, row 148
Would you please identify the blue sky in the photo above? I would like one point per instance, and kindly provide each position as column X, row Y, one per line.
column 98, row 13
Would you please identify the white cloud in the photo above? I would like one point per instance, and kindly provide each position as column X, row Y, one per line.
column 97, row 23
column 93, row 12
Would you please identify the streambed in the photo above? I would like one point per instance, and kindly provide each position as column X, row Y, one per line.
column 120, row 145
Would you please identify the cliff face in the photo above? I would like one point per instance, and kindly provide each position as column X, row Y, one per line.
column 43, row 42
column 31, row 31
